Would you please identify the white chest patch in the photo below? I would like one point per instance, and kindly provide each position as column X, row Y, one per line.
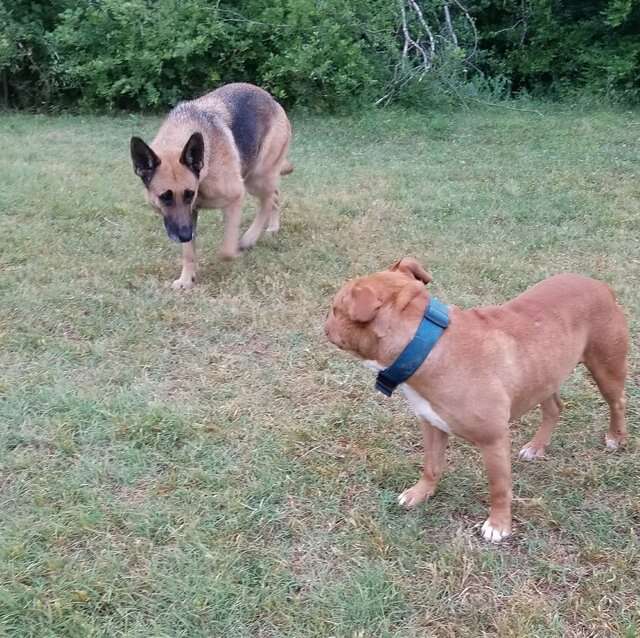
column 423, row 409
column 373, row 365
column 419, row 405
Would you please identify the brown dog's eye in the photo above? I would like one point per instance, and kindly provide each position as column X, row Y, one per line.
column 166, row 197
column 188, row 196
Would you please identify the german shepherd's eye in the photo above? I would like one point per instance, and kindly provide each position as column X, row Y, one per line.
column 166, row 197
column 188, row 196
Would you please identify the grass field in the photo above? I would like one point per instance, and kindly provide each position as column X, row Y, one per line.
column 204, row 464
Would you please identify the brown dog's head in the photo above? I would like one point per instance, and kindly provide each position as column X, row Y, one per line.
column 369, row 316
column 171, row 182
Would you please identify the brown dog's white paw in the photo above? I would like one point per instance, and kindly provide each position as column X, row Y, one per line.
column 531, row 453
column 414, row 495
column 613, row 443
column 185, row 283
column 494, row 532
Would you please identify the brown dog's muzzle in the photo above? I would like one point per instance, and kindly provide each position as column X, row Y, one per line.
column 331, row 331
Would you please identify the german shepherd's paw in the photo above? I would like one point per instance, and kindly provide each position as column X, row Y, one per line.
column 272, row 228
column 228, row 255
column 183, row 284
column 247, row 243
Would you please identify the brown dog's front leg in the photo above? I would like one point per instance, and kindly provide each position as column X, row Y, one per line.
column 497, row 461
column 188, row 275
column 230, row 242
column 434, row 443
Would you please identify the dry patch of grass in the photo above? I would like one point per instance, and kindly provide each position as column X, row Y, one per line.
column 204, row 464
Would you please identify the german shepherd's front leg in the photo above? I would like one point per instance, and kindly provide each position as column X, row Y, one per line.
column 230, row 243
column 188, row 275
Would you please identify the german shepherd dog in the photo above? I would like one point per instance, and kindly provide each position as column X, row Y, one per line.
column 207, row 154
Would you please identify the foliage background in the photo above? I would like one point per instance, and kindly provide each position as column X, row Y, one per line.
column 325, row 54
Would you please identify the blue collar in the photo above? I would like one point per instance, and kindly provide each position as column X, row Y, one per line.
column 433, row 324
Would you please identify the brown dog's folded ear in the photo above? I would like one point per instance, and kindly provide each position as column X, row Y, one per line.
column 362, row 304
column 145, row 161
column 193, row 154
column 410, row 266
column 408, row 293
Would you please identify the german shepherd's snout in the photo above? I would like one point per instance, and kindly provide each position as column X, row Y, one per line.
column 209, row 153
column 178, row 232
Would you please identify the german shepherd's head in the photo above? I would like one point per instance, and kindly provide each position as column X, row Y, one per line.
column 171, row 182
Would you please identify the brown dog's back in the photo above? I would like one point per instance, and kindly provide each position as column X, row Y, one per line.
column 577, row 304
column 560, row 322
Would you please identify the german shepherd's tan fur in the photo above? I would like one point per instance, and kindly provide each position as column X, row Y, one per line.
column 209, row 153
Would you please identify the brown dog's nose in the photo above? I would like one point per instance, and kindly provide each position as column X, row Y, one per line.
column 331, row 335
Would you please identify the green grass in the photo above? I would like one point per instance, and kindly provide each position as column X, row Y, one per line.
column 205, row 464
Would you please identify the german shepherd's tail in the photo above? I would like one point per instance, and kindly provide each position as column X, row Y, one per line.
column 287, row 168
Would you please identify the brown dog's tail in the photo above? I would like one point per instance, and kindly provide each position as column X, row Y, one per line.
column 287, row 168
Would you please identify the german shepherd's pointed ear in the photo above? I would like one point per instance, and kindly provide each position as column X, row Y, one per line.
column 145, row 161
column 193, row 154
column 362, row 304
column 410, row 266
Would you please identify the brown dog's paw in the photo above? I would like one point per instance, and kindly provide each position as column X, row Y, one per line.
column 494, row 532
column 414, row 495
column 530, row 453
column 613, row 443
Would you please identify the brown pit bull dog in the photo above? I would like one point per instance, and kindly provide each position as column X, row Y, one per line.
column 209, row 153
column 489, row 366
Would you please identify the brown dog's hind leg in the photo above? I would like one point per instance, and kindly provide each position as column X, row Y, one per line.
column 606, row 359
column 609, row 374
column 551, row 409
column 497, row 461
column 434, row 443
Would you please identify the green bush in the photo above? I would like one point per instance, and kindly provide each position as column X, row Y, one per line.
column 322, row 54
column 326, row 54
column 559, row 47
column 25, row 52
column 138, row 54
column 148, row 54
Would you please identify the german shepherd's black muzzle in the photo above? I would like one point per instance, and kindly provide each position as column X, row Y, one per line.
column 179, row 232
